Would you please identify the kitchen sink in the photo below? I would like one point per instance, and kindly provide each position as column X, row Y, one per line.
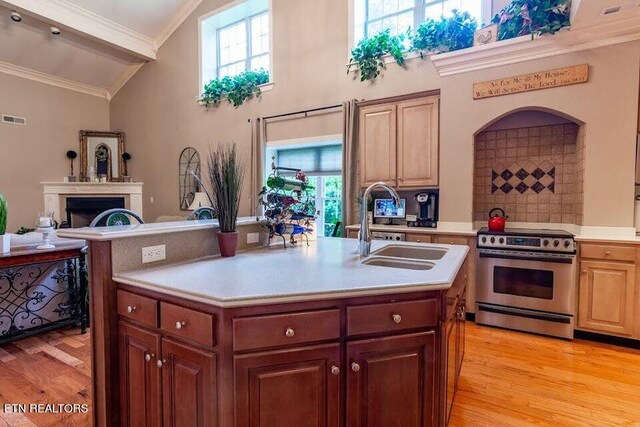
column 411, row 252
column 404, row 264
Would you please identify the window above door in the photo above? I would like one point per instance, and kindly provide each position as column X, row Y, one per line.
column 234, row 39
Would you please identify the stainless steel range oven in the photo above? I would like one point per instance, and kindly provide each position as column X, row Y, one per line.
column 526, row 281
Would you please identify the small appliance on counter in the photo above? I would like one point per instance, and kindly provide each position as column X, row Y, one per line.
column 427, row 215
column 387, row 209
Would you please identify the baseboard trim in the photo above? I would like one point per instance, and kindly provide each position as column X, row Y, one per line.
column 607, row 339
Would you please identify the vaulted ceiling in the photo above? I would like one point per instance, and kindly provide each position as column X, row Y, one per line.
column 101, row 45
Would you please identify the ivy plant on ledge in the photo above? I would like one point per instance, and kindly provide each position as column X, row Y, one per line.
column 455, row 32
column 236, row 89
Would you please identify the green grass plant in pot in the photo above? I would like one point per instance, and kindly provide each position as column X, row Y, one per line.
column 5, row 240
column 226, row 174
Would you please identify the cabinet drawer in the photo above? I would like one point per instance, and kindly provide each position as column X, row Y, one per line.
column 283, row 329
column 186, row 323
column 608, row 252
column 395, row 316
column 418, row 238
column 138, row 308
column 451, row 240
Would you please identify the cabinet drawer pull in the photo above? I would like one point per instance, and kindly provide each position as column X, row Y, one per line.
column 607, row 252
column 131, row 308
column 584, row 271
column 289, row 332
column 396, row 318
column 335, row 370
column 180, row 325
column 355, row 367
column 148, row 357
column 160, row 363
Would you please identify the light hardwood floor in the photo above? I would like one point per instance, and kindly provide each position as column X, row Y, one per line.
column 508, row 379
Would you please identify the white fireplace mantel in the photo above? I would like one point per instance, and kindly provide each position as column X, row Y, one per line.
column 54, row 192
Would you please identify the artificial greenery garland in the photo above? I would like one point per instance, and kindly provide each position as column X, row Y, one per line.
column 535, row 17
column 236, row 89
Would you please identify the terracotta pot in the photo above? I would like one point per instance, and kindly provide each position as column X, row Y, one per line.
column 228, row 243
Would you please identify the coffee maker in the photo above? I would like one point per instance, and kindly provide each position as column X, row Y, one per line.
column 427, row 215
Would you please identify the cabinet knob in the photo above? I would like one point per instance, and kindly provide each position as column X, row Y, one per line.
column 180, row 325
column 607, row 252
column 335, row 370
column 148, row 357
column 355, row 367
column 418, row 240
column 131, row 308
column 289, row 332
column 396, row 318
column 160, row 363
column 584, row 271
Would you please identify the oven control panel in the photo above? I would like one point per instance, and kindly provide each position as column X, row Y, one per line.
column 547, row 244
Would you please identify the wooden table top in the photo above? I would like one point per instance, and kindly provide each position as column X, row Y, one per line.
column 29, row 254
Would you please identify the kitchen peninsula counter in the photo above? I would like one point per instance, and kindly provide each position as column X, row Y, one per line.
column 313, row 323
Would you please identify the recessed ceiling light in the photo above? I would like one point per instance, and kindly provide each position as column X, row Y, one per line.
column 55, row 31
column 15, row 16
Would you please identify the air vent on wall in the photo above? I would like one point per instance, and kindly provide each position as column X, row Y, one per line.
column 619, row 8
column 13, row 120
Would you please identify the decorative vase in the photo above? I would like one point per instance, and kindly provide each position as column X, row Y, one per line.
column 5, row 243
column 228, row 243
column 72, row 178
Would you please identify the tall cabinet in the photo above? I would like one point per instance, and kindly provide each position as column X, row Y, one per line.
column 399, row 143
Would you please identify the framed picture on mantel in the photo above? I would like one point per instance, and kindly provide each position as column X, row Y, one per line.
column 101, row 156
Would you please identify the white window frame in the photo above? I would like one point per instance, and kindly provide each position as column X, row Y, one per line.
column 418, row 16
column 320, row 199
column 203, row 80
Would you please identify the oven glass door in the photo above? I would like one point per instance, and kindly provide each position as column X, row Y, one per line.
column 536, row 285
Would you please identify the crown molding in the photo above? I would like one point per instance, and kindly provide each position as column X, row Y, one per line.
column 122, row 79
column 77, row 19
column 52, row 80
column 523, row 48
column 177, row 20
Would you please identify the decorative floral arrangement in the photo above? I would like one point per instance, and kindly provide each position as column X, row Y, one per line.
column 102, row 154
column 535, row 17
column 236, row 89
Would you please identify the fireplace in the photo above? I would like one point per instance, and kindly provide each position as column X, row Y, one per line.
column 82, row 210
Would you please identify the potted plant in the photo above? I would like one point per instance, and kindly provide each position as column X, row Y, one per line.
column 5, row 239
column 71, row 155
column 125, row 159
column 226, row 173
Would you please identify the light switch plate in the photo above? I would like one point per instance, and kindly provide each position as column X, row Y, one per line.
column 154, row 253
column 253, row 238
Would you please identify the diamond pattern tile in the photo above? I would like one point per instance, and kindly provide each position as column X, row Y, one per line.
column 522, row 187
column 537, row 187
column 506, row 188
column 536, row 178
column 538, row 173
column 522, row 174
column 506, row 174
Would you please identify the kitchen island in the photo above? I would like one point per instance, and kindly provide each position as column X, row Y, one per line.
column 303, row 336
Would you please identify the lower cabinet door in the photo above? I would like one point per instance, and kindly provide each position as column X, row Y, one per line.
column 289, row 388
column 461, row 332
column 188, row 386
column 391, row 381
column 140, row 388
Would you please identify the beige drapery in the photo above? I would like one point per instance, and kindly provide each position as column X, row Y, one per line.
column 349, row 163
column 258, row 147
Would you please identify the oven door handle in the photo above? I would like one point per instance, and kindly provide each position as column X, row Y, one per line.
column 568, row 260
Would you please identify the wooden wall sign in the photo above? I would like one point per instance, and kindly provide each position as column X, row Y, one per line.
column 532, row 81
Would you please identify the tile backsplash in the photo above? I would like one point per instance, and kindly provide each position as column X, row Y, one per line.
column 534, row 173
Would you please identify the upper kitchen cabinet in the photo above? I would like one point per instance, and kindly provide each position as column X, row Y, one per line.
column 418, row 142
column 378, row 144
column 399, row 143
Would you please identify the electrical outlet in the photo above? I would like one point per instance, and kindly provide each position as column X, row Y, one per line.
column 253, row 238
column 154, row 253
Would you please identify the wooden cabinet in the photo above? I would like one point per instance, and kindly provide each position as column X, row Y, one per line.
column 297, row 387
column 188, row 386
column 399, row 143
column 418, row 238
column 140, row 386
column 418, row 142
column 378, row 144
column 607, row 297
column 391, row 381
column 450, row 368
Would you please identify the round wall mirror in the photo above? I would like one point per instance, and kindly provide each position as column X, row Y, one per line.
column 189, row 169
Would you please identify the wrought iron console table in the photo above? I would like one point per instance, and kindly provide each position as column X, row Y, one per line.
column 42, row 290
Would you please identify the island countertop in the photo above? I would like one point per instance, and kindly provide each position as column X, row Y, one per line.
column 328, row 268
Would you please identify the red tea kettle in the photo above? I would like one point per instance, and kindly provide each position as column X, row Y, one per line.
column 497, row 219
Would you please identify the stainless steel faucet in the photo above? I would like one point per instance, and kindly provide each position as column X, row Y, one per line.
column 364, row 236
